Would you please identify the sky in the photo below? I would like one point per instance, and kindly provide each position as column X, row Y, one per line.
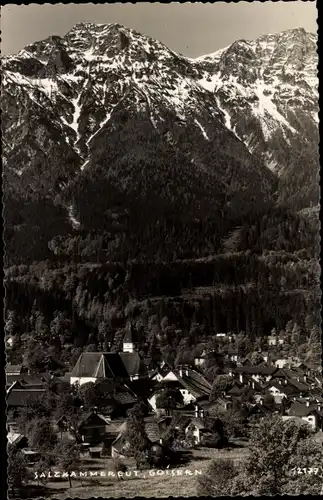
column 190, row 29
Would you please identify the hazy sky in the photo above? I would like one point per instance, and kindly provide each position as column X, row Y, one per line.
column 191, row 29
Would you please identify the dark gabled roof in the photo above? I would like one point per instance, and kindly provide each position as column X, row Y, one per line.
column 93, row 417
column 237, row 389
column 133, row 363
column 287, row 389
column 152, row 431
column 194, row 382
column 125, row 398
column 197, row 422
column 301, row 410
column 114, row 393
column 26, row 379
column 246, row 362
column 14, row 438
column 23, row 397
column 256, row 370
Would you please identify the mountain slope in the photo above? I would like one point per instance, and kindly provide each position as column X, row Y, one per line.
column 105, row 124
column 106, row 106
column 268, row 90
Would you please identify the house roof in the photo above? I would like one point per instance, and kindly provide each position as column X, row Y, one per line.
column 287, row 389
column 108, row 365
column 198, row 422
column 13, row 368
column 256, row 370
column 301, row 410
column 95, row 417
column 152, row 430
column 26, row 379
column 23, row 397
column 194, row 382
column 133, row 363
column 14, row 437
column 114, row 393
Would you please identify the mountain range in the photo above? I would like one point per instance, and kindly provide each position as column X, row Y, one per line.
column 107, row 130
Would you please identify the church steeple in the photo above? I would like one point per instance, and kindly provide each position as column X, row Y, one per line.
column 129, row 340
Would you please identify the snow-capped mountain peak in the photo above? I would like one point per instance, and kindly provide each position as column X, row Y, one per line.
column 65, row 97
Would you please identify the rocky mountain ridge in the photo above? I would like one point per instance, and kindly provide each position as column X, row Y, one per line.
column 105, row 105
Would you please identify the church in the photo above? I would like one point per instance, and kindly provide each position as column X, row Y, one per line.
column 127, row 365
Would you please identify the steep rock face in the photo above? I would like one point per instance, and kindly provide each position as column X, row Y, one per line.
column 268, row 90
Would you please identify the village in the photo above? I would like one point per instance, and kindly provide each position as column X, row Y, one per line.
column 179, row 409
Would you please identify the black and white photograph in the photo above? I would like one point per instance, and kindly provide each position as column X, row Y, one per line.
column 161, row 200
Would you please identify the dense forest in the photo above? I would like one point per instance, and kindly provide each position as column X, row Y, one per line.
column 264, row 276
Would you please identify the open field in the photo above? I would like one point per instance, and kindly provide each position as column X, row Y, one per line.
column 181, row 481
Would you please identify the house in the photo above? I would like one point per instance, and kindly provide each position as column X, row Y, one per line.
column 17, row 440
column 201, row 359
column 114, row 398
column 281, row 338
column 31, row 456
column 121, row 445
column 233, row 354
column 282, row 389
column 309, row 413
column 9, row 342
column 272, row 340
column 197, row 428
column 19, row 395
column 190, row 383
column 92, row 366
column 285, row 362
column 26, row 380
column 260, row 410
column 93, row 427
column 261, row 373
column 14, row 369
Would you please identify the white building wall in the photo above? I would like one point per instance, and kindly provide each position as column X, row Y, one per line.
column 82, row 380
column 128, row 347
column 152, row 402
column 187, row 396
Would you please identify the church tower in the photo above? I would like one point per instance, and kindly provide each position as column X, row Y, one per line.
column 129, row 340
